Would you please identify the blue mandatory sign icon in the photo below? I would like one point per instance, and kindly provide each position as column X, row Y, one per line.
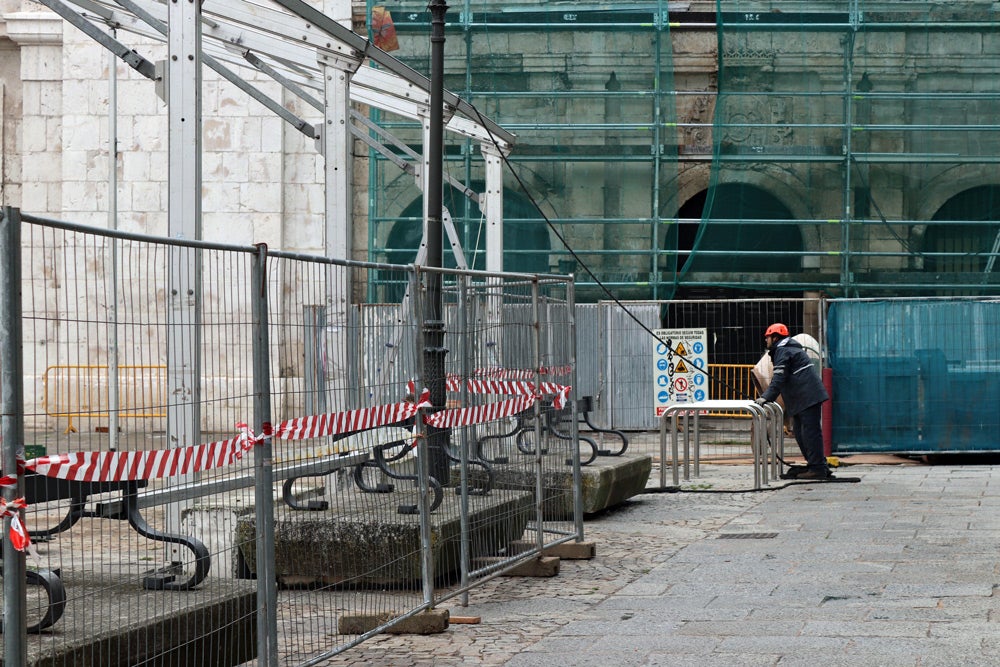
column 699, row 363
column 662, row 380
column 698, row 347
column 698, row 379
column 661, row 364
column 661, row 349
column 662, row 397
column 699, row 395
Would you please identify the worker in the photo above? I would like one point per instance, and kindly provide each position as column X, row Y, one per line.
column 796, row 380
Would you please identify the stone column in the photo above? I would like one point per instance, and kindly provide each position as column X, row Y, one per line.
column 40, row 37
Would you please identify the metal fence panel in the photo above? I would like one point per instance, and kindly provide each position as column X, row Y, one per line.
column 294, row 518
column 113, row 527
column 735, row 330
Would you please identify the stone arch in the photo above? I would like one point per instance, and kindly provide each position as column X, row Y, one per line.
column 784, row 186
column 956, row 231
column 932, row 196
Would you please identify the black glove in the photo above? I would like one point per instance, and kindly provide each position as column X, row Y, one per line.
column 761, row 401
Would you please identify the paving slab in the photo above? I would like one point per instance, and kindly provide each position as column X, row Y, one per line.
column 899, row 569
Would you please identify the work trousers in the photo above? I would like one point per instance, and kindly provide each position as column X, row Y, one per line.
column 809, row 436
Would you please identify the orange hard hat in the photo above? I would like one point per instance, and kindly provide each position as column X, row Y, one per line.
column 776, row 329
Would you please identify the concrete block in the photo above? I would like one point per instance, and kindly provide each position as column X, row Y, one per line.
column 430, row 622
column 363, row 541
column 606, row 482
column 213, row 519
column 565, row 550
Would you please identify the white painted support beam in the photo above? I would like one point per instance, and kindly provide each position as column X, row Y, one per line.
column 183, row 222
column 491, row 203
column 335, row 140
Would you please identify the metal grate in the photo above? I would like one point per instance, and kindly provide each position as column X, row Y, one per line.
column 747, row 536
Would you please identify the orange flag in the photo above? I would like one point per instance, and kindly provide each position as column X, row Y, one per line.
column 383, row 31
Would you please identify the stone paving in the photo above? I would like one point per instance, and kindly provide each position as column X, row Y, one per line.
column 899, row 569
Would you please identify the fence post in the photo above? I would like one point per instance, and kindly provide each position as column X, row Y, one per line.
column 463, row 338
column 267, row 594
column 539, row 472
column 314, row 318
column 12, row 432
column 575, row 429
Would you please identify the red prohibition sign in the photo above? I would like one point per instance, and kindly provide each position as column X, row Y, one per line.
column 681, row 384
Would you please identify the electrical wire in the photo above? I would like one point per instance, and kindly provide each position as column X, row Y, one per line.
column 793, row 482
column 562, row 239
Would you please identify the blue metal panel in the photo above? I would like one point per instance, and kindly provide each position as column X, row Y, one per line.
column 915, row 376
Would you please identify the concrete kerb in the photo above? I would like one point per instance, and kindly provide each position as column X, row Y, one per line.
column 216, row 622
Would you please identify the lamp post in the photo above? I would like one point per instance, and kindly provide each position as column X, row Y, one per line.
column 434, row 350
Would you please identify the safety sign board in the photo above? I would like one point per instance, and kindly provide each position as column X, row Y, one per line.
column 680, row 362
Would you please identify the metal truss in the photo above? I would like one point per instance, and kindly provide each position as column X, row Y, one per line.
column 301, row 49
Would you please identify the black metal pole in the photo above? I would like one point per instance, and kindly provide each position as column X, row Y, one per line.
column 434, row 350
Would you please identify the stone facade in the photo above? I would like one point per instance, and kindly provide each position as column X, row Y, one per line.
column 262, row 180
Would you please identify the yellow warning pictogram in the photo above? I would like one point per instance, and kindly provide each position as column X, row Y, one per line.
column 681, row 350
column 680, row 367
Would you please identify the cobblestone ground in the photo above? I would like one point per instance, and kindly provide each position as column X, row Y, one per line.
column 517, row 612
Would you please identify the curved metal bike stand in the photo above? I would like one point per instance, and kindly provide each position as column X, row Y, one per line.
column 483, row 490
column 583, row 407
column 165, row 578
column 518, row 427
column 552, row 422
column 381, row 461
column 55, row 592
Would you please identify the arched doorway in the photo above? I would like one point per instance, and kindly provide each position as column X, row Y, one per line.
column 735, row 201
column 967, row 246
column 733, row 326
column 525, row 237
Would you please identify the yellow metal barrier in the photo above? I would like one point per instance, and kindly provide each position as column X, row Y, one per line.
column 84, row 391
column 731, row 382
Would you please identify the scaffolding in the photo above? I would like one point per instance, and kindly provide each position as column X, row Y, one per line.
column 732, row 147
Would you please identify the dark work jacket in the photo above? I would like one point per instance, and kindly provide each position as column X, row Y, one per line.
column 794, row 377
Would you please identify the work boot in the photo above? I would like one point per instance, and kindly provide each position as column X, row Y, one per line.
column 793, row 472
column 823, row 473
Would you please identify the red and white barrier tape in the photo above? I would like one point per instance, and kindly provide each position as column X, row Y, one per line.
column 560, row 392
column 480, row 414
column 316, row 426
column 500, row 373
column 18, row 533
column 150, row 464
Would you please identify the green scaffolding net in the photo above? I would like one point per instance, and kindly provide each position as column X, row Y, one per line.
column 724, row 148
column 589, row 93
column 854, row 150
column 915, row 375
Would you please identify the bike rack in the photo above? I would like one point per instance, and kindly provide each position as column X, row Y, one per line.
column 766, row 437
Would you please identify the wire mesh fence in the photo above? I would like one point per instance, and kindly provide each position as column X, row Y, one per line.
column 617, row 361
column 225, row 460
